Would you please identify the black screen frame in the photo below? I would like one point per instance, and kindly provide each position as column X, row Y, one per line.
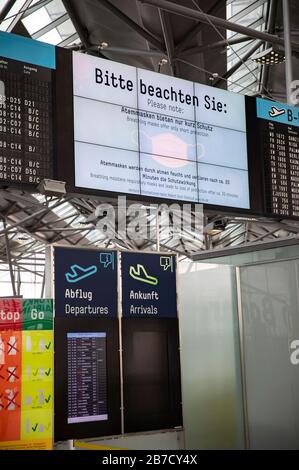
column 63, row 430
column 65, row 156
column 31, row 187
column 173, row 416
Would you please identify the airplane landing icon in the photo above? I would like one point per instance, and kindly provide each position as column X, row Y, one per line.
column 276, row 112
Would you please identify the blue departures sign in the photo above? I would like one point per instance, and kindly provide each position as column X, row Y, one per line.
column 148, row 285
column 85, row 283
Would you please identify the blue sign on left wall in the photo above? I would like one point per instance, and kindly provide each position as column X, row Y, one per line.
column 85, row 283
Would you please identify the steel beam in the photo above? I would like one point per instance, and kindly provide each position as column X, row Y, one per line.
column 215, row 45
column 288, row 49
column 135, row 26
column 168, row 38
column 220, row 22
column 19, row 16
column 12, row 279
column 5, row 10
column 43, row 211
column 50, row 26
column 35, row 7
column 137, row 52
column 270, row 29
column 235, row 67
column 82, row 32
column 195, row 30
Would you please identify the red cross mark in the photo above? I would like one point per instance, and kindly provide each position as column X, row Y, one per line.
column 1, row 376
column 11, row 400
column 12, row 373
column 12, row 346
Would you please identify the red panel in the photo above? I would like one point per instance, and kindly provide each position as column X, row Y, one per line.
column 10, row 314
column 10, row 384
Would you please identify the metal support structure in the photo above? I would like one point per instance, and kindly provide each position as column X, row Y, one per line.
column 48, row 274
column 196, row 29
column 288, row 49
column 5, row 10
column 242, row 359
column 82, row 32
column 35, row 7
column 270, row 29
column 235, row 67
column 215, row 45
column 158, row 229
column 19, row 16
column 220, row 22
column 50, row 26
column 135, row 26
column 43, row 211
column 19, row 282
column 12, row 279
column 137, row 52
column 168, row 38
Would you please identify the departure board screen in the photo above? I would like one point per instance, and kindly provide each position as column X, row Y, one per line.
column 25, row 122
column 26, row 110
column 87, row 377
column 279, row 133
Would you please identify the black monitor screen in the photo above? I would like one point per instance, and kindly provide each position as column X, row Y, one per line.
column 87, row 377
column 151, row 374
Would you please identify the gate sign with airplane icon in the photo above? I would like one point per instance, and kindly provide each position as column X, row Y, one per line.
column 148, row 285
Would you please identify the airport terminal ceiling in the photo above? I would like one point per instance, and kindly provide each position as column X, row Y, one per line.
column 141, row 34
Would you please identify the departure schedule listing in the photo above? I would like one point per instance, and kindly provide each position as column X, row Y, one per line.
column 87, row 387
column 145, row 133
column 25, row 122
column 280, row 142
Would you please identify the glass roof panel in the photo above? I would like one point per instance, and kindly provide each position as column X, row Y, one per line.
column 37, row 20
column 51, row 37
column 18, row 5
column 251, row 14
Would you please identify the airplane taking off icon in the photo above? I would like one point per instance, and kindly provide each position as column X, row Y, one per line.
column 77, row 273
column 276, row 112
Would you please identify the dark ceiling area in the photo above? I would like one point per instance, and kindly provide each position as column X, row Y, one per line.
column 150, row 34
column 134, row 26
column 140, row 34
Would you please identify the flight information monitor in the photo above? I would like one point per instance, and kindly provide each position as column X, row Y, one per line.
column 279, row 134
column 87, row 377
column 26, row 111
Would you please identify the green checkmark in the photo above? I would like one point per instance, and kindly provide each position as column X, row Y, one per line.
column 47, row 372
column 35, row 373
column 34, row 428
column 48, row 399
column 48, row 345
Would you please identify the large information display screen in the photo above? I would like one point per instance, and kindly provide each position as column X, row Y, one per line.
column 279, row 134
column 87, row 377
column 142, row 133
column 26, row 111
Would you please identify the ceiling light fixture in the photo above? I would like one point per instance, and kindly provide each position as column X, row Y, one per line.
column 270, row 56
